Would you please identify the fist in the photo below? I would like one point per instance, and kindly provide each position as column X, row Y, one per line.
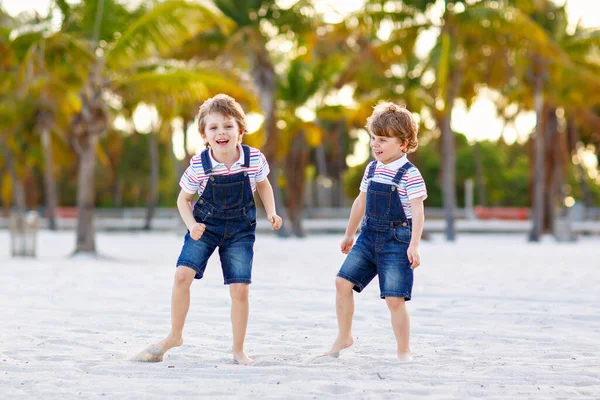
column 347, row 244
column 275, row 221
column 413, row 256
column 197, row 230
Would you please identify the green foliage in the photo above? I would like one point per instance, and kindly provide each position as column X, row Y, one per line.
column 127, row 176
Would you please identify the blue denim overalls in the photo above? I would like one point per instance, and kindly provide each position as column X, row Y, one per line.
column 227, row 208
column 383, row 242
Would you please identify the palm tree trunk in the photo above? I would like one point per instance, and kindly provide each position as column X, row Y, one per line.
column 538, row 173
column 551, row 168
column 263, row 73
column 295, row 166
column 91, row 123
column 449, row 157
column 448, row 175
column 118, row 192
column 479, row 175
column 49, row 180
column 86, row 194
column 154, row 176
column 321, row 174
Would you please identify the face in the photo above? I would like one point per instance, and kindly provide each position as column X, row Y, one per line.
column 222, row 133
column 387, row 149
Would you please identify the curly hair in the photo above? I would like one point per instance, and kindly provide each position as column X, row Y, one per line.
column 224, row 105
column 393, row 120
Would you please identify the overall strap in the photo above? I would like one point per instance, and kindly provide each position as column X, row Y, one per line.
column 372, row 167
column 401, row 171
column 246, row 150
column 206, row 164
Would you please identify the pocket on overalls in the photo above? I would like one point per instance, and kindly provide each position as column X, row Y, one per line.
column 380, row 206
column 228, row 195
column 251, row 216
column 403, row 234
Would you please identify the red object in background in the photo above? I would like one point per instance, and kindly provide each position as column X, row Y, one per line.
column 514, row 213
column 66, row 212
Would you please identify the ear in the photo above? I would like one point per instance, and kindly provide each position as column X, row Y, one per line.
column 404, row 146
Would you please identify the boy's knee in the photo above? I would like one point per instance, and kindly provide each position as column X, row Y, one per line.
column 184, row 276
column 239, row 291
column 342, row 285
column 395, row 303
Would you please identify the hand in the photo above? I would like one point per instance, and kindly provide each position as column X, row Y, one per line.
column 275, row 221
column 347, row 243
column 197, row 230
column 413, row 256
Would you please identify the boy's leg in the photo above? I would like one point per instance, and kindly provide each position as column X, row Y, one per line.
column 236, row 256
column 239, row 320
column 180, row 304
column 344, row 308
column 401, row 325
column 356, row 272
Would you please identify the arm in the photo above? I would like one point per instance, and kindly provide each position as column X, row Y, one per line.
column 418, row 220
column 356, row 214
column 184, row 205
column 265, row 191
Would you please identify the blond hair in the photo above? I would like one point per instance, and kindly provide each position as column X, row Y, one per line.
column 393, row 120
column 224, row 105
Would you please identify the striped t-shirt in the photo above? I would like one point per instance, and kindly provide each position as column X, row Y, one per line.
column 412, row 185
column 194, row 179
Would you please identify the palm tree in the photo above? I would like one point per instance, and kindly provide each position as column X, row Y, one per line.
column 22, row 87
column 306, row 77
column 553, row 62
column 125, row 61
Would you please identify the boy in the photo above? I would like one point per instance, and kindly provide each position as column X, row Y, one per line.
column 390, row 206
column 225, row 175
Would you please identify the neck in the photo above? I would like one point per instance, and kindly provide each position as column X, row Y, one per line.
column 228, row 158
column 392, row 159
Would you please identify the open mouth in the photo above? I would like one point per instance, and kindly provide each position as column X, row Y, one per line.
column 222, row 142
column 377, row 152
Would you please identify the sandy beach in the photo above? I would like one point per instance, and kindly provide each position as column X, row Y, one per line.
column 492, row 317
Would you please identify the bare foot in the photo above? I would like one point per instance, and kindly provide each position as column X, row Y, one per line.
column 169, row 342
column 156, row 352
column 339, row 345
column 405, row 356
column 240, row 357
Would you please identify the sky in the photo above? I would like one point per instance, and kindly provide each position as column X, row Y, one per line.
column 478, row 122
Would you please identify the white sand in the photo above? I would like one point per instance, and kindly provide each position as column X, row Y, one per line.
column 492, row 316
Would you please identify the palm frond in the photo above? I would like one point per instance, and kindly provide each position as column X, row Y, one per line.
column 165, row 26
column 179, row 89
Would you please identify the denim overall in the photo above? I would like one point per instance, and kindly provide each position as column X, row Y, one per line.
column 227, row 208
column 383, row 242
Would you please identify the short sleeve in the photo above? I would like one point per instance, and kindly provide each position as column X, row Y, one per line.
column 415, row 185
column 364, row 183
column 263, row 168
column 190, row 182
